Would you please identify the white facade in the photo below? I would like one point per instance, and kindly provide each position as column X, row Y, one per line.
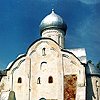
column 38, row 66
column 47, row 70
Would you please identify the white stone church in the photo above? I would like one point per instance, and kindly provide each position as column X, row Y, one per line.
column 48, row 71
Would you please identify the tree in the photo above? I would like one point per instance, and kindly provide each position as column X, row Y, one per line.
column 98, row 65
column 12, row 96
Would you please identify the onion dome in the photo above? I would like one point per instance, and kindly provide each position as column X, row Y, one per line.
column 52, row 21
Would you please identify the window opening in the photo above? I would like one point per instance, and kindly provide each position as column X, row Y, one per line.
column 97, row 83
column 42, row 99
column 43, row 65
column 50, row 80
column 43, row 52
column 59, row 39
column 19, row 80
column 38, row 81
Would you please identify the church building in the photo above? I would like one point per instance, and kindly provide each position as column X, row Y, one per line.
column 49, row 71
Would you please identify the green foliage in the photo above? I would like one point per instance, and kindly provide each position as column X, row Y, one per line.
column 12, row 95
column 89, row 61
column 98, row 65
column 1, row 87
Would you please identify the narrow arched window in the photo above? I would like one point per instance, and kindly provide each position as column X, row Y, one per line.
column 50, row 79
column 43, row 52
column 38, row 80
column 97, row 83
column 59, row 39
column 19, row 80
column 43, row 65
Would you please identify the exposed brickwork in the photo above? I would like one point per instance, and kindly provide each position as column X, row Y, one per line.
column 70, row 87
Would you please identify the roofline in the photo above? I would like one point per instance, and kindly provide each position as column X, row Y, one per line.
column 73, row 55
column 39, row 40
column 14, row 62
column 33, row 44
column 89, row 73
column 27, row 52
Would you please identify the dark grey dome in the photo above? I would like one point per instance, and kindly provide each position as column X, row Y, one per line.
column 53, row 21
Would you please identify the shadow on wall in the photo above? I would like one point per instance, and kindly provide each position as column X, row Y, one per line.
column 12, row 96
column 89, row 86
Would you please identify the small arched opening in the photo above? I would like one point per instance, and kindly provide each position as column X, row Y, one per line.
column 50, row 79
column 43, row 52
column 19, row 80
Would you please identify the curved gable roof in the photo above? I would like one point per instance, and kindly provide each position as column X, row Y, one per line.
column 73, row 55
column 24, row 55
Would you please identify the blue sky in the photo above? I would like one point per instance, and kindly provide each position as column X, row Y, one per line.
column 20, row 19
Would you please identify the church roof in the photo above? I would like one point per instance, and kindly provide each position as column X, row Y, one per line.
column 52, row 21
column 91, row 69
column 80, row 53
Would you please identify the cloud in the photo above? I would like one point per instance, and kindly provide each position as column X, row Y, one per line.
column 90, row 1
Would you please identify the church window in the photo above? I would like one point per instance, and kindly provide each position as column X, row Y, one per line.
column 97, row 83
column 50, row 79
column 59, row 39
column 19, row 80
column 42, row 99
column 43, row 52
column 38, row 81
column 43, row 65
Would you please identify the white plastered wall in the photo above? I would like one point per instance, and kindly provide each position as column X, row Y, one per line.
column 45, row 66
column 72, row 66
